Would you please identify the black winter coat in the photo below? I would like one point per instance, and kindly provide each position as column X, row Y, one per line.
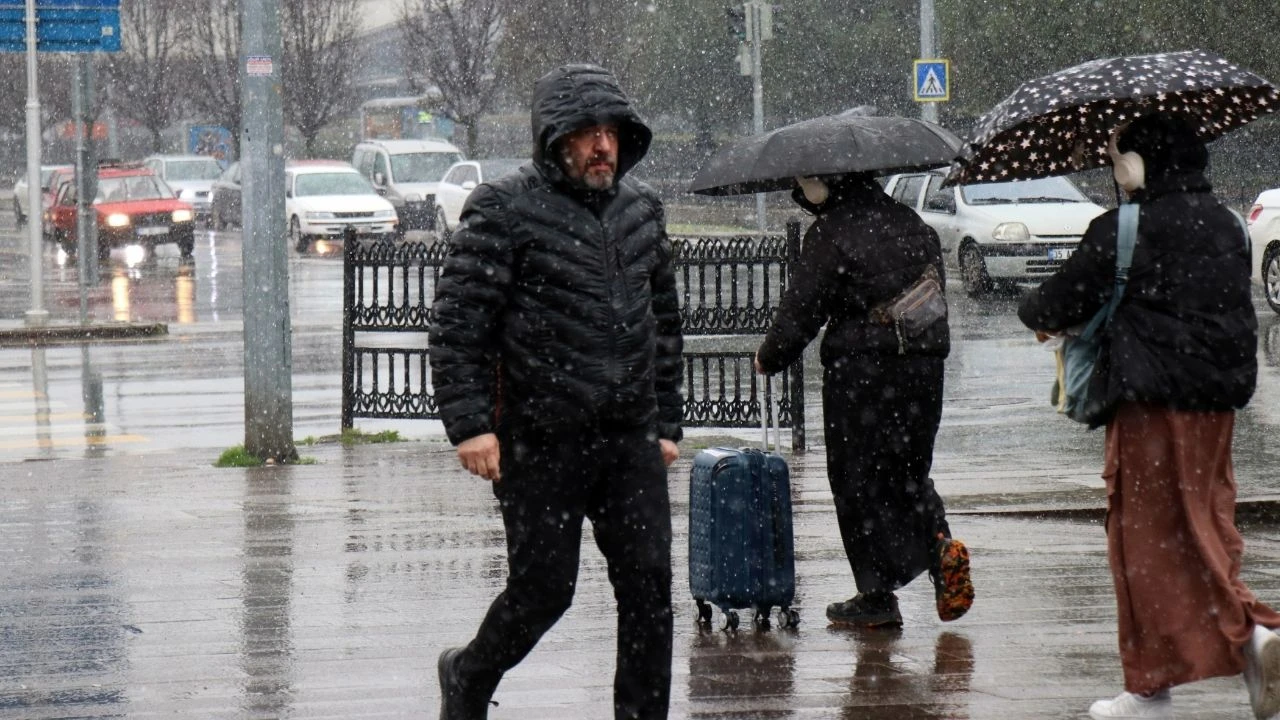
column 863, row 249
column 567, row 294
column 1185, row 333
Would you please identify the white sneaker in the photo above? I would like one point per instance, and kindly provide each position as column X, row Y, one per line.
column 1128, row 705
column 1262, row 672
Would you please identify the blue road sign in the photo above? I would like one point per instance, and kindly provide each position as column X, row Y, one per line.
column 62, row 26
column 933, row 80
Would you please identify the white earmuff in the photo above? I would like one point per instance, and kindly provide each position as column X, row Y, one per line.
column 815, row 191
column 1128, row 167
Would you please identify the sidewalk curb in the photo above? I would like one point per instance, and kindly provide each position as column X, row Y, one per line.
column 1265, row 510
column 39, row 335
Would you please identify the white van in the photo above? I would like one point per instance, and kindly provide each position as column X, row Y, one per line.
column 406, row 173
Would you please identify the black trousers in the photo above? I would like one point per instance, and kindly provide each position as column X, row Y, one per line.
column 881, row 416
column 551, row 480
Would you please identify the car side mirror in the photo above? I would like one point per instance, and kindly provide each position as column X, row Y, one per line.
column 379, row 179
column 288, row 193
column 469, row 185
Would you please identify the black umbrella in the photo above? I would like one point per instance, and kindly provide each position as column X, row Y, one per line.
column 828, row 145
column 1061, row 123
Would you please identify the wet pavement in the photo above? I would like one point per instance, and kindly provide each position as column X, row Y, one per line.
column 140, row 582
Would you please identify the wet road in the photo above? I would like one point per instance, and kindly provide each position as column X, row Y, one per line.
column 139, row 582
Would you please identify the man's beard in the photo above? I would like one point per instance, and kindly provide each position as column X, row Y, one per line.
column 598, row 179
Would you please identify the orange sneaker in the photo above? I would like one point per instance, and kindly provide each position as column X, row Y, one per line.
column 953, row 589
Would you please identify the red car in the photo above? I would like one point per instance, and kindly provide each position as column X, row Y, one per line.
column 134, row 207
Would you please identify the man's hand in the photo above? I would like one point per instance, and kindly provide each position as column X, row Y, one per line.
column 1042, row 336
column 756, row 363
column 669, row 451
column 479, row 455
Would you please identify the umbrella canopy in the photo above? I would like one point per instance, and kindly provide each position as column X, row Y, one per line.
column 828, row 145
column 1061, row 123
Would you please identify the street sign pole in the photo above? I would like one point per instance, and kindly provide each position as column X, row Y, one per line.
column 755, row 10
column 928, row 49
column 268, row 363
column 37, row 315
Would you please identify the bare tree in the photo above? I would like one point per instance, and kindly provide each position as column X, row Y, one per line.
column 146, row 86
column 212, row 56
column 320, row 61
column 454, row 43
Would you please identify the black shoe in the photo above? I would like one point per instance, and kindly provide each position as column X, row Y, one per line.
column 455, row 704
column 868, row 610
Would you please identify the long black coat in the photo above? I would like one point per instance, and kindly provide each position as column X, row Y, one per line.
column 570, row 293
column 863, row 248
column 1185, row 333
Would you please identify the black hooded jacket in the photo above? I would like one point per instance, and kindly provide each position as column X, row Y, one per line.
column 567, row 294
column 1184, row 335
column 863, row 249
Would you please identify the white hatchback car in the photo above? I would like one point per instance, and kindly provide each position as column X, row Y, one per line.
column 458, row 182
column 323, row 197
column 1264, row 231
column 1009, row 234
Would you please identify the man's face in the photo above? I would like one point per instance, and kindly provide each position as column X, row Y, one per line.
column 590, row 155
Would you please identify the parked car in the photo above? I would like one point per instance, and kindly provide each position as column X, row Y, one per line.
column 458, row 182
column 1264, row 231
column 405, row 172
column 1006, row 234
column 133, row 207
column 190, row 176
column 21, row 189
column 323, row 197
column 224, row 199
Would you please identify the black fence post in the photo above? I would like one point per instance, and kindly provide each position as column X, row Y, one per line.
column 797, row 368
column 350, row 246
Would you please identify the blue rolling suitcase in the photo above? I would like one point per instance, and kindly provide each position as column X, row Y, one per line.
column 741, row 549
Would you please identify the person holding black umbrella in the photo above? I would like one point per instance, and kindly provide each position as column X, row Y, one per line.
column 882, row 392
column 1180, row 360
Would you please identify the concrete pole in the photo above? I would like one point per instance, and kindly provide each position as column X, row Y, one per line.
column 268, row 361
column 754, row 28
column 928, row 51
column 37, row 315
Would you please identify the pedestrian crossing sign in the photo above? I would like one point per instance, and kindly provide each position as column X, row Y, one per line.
column 933, row 80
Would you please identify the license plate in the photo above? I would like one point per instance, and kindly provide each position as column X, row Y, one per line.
column 1060, row 253
column 153, row 230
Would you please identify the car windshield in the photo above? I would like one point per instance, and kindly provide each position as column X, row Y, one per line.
column 421, row 167
column 134, row 187
column 1041, row 190
column 334, row 183
column 192, row 169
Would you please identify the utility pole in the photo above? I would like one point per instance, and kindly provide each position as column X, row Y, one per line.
column 86, row 185
column 268, row 361
column 928, row 49
column 753, row 25
column 37, row 315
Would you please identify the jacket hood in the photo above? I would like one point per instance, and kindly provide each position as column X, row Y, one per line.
column 573, row 97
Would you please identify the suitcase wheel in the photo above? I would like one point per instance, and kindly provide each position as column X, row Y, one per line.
column 704, row 612
column 731, row 620
column 761, row 619
column 788, row 617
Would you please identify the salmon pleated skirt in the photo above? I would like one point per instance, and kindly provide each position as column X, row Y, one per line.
column 1184, row 614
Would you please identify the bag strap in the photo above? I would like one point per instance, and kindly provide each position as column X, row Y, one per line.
column 1126, row 238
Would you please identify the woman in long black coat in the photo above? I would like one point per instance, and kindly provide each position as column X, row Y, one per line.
column 882, row 398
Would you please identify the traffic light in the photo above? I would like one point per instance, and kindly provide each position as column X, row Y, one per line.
column 737, row 21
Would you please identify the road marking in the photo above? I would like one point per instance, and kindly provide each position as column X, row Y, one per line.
column 94, row 440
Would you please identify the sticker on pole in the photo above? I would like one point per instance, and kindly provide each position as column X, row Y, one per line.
column 933, row 80
column 258, row 66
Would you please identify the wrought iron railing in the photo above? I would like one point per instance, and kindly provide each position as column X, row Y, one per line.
column 728, row 286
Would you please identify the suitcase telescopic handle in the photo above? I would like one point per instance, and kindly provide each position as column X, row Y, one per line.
column 767, row 405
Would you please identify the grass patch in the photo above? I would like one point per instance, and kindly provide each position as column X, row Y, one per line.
column 696, row 230
column 238, row 457
column 356, row 436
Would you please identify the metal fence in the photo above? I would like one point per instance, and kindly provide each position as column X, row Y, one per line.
column 727, row 285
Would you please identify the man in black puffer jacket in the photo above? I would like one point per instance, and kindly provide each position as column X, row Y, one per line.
column 556, row 362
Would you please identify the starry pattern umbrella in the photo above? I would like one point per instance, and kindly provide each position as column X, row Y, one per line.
column 1061, row 123
column 827, row 145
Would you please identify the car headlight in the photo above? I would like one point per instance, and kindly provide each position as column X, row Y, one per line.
column 413, row 197
column 1011, row 232
column 117, row 220
column 384, row 214
column 319, row 216
column 181, row 215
